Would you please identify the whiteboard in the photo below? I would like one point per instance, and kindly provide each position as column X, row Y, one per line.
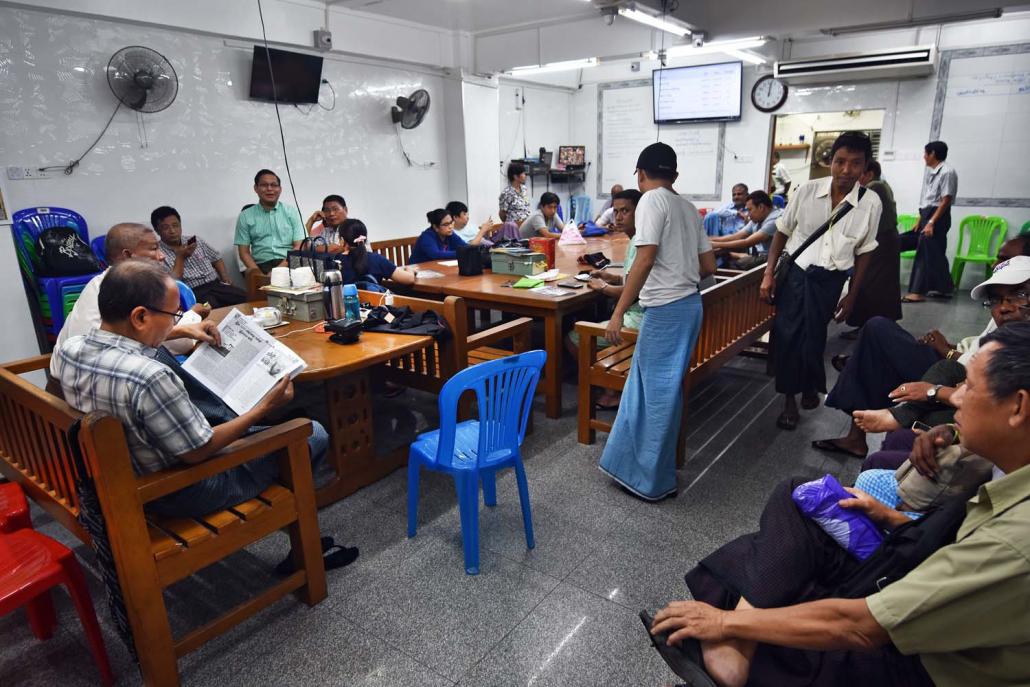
column 981, row 111
column 626, row 126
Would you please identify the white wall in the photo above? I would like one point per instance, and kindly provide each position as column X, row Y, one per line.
column 545, row 119
column 203, row 150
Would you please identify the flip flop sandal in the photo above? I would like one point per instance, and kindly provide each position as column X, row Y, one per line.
column 906, row 299
column 685, row 660
column 830, row 447
column 340, row 556
column 810, row 402
column 286, row 566
column 599, row 406
column 839, row 362
column 787, row 421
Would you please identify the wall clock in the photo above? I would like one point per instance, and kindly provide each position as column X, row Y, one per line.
column 769, row 93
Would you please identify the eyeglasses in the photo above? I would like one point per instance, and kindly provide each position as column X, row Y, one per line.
column 1020, row 299
column 176, row 316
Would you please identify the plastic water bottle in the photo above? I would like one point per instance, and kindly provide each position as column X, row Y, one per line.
column 351, row 306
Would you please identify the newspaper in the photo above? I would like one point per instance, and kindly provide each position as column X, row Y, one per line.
column 247, row 364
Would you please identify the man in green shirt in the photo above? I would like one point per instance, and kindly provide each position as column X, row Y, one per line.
column 965, row 611
column 266, row 231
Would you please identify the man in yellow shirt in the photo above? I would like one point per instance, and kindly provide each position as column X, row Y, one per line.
column 964, row 612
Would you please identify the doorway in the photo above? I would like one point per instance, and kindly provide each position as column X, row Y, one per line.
column 804, row 140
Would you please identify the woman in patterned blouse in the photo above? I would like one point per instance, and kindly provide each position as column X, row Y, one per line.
column 514, row 201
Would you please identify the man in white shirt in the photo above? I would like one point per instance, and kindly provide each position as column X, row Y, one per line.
column 810, row 293
column 606, row 213
column 780, row 177
column 673, row 255
column 126, row 241
column 931, row 275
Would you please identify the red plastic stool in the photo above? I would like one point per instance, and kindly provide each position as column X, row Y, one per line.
column 30, row 565
column 14, row 509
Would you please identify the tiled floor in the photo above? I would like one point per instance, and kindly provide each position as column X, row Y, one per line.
column 561, row 614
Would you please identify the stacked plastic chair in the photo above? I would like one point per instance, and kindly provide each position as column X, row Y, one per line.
column 31, row 564
column 56, row 296
column 905, row 224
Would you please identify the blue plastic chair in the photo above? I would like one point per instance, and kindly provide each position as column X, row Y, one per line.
column 97, row 245
column 475, row 450
column 779, row 201
column 187, row 299
column 26, row 227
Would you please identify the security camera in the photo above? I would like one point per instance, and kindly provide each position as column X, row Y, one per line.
column 698, row 38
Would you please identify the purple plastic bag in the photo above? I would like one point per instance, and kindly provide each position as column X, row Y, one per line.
column 853, row 530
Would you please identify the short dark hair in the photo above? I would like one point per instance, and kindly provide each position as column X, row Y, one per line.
column 129, row 285
column 874, row 167
column 456, row 207
column 630, row 194
column 263, row 172
column 760, row 198
column 1008, row 369
column 549, row 198
column 743, row 186
column 436, row 216
column 663, row 174
column 938, row 148
column 856, row 142
column 161, row 214
column 515, row 169
column 333, row 198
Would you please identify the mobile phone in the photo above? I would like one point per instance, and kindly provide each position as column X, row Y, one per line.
column 570, row 284
column 921, row 426
column 191, row 241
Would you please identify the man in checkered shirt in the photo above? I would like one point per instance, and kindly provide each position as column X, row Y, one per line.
column 112, row 370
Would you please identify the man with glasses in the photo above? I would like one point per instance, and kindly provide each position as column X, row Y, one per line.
column 112, row 370
column 265, row 232
column 128, row 241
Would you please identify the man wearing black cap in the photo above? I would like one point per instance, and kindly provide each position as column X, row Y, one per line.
column 810, row 293
column 673, row 254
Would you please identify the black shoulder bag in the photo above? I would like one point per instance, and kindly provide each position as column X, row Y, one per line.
column 786, row 259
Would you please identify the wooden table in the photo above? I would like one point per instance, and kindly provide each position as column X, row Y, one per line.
column 485, row 291
column 344, row 369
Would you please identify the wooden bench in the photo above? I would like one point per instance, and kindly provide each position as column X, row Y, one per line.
column 151, row 553
column 397, row 251
column 735, row 317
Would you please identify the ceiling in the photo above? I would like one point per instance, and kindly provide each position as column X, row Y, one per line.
column 719, row 18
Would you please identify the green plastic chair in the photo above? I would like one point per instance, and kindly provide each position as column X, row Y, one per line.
column 906, row 223
column 1026, row 228
column 984, row 234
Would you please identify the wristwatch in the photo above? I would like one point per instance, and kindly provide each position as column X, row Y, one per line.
column 931, row 393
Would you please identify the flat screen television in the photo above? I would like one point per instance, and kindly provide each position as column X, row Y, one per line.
column 297, row 76
column 705, row 93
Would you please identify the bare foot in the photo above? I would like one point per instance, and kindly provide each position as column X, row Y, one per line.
column 873, row 421
column 609, row 399
column 913, row 298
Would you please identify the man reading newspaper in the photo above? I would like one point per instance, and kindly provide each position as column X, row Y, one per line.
column 112, row 370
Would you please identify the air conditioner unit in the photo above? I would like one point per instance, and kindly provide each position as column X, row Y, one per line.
column 897, row 63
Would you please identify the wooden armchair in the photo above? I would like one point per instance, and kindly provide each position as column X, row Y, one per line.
column 150, row 552
column 430, row 368
column 735, row 317
column 255, row 280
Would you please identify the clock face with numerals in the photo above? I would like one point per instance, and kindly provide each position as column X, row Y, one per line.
column 769, row 93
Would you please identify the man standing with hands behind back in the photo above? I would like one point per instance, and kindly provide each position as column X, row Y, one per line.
column 809, row 295
column 673, row 255
column 930, row 274
column 267, row 231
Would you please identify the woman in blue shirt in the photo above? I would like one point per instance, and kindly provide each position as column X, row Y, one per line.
column 438, row 242
column 357, row 263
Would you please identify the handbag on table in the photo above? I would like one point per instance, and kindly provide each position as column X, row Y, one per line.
column 318, row 261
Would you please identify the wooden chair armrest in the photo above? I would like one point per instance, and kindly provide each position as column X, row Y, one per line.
column 242, row 450
column 503, row 331
column 18, row 367
column 595, row 330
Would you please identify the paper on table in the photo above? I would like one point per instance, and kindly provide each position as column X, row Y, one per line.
column 247, row 364
column 428, row 274
column 552, row 291
column 447, row 263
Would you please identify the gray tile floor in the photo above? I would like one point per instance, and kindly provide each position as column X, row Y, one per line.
column 561, row 614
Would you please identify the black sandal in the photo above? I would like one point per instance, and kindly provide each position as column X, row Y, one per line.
column 787, row 421
column 286, row 566
column 685, row 660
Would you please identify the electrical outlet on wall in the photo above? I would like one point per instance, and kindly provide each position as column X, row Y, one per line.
column 24, row 173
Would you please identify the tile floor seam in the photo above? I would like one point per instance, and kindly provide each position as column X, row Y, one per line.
column 731, row 418
column 701, row 425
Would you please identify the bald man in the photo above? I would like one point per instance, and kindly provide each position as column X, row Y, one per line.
column 125, row 241
column 607, row 216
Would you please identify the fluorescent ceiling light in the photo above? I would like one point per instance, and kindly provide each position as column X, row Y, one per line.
column 654, row 22
column 922, row 21
column 745, row 56
column 553, row 67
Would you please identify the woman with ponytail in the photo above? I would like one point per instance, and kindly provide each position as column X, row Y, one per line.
column 358, row 264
